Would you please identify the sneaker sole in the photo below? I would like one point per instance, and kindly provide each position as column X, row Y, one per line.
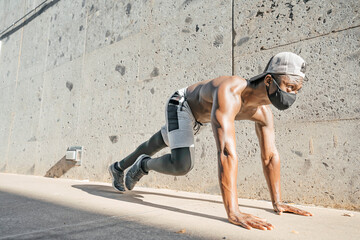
column 126, row 185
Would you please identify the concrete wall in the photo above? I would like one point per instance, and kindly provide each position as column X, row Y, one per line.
column 97, row 74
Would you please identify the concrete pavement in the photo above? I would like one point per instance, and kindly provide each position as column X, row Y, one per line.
column 44, row 208
column 27, row 218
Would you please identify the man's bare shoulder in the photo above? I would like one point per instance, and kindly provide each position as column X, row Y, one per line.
column 200, row 96
column 229, row 84
column 219, row 81
column 229, row 80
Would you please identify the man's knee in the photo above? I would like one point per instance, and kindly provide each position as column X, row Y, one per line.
column 154, row 144
column 182, row 160
column 156, row 141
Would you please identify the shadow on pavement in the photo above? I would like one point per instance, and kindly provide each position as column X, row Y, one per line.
column 136, row 197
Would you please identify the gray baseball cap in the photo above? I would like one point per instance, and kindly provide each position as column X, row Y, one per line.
column 284, row 63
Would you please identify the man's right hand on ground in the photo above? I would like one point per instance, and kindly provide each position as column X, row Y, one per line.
column 249, row 221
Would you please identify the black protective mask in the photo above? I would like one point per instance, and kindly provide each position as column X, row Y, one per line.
column 280, row 99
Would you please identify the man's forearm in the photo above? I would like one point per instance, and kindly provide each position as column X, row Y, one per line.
column 227, row 180
column 271, row 170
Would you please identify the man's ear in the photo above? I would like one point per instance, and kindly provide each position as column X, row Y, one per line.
column 267, row 80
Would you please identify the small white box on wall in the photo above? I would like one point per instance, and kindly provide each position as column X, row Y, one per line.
column 74, row 153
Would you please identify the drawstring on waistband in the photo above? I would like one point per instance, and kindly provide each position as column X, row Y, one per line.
column 182, row 103
column 197, row 126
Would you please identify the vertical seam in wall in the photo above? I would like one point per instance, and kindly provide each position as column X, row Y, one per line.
column 232, row 38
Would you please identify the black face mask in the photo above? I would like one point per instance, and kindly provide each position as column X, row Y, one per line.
column 280, row 99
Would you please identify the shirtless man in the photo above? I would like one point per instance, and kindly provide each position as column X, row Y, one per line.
column 221, row 101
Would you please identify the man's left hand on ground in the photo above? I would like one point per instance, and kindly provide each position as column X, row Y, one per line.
column 281, row 207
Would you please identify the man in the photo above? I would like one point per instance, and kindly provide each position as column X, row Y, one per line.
column 220, row 102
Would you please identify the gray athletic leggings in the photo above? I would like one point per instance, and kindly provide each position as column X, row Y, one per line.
column 179, row 162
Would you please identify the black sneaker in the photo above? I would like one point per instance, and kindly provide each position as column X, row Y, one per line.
column 118, row 178
column 135, row 173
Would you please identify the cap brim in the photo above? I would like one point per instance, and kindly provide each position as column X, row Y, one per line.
column 258, row 77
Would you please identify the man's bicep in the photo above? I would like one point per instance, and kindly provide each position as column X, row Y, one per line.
column 223, row 115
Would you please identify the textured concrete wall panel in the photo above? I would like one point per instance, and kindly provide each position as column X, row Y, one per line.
column 58, row 123
column 317, row 137
column 22, row 142
column 111, row 21
column 270, row 23
column 11, row 11
column 66, row 38
column 321, row 162
column 6, row 119
column 10, row 55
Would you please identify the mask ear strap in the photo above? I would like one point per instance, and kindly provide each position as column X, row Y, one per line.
column 274, row 80
column 278, row 87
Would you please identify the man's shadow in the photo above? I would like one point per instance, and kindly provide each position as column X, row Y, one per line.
column 136, row 197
